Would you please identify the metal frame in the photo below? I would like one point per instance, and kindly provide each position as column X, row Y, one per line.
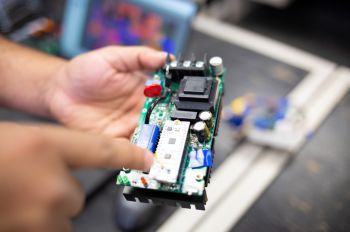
column 250, row 169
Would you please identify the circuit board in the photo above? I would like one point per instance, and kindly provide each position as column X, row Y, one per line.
column 178, row 123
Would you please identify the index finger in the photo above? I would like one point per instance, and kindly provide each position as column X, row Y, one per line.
column 83, row 150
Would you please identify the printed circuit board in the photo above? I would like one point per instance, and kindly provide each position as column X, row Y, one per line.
column 179, row 122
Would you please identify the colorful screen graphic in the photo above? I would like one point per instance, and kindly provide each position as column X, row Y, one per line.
column 119, row 22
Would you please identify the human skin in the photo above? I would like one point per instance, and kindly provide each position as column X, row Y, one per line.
column 97, row 97
column 100, row 91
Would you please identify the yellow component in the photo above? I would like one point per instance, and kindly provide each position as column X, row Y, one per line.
column 238, row 106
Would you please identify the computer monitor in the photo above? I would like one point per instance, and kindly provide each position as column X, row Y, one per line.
column 90, row 24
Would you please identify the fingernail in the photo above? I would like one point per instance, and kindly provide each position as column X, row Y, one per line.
column 165, row 54
column 148, row 160
column 172, row 57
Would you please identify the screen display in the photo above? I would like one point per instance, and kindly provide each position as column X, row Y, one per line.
column 119, row 22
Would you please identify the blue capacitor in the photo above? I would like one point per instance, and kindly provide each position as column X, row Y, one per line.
column 201, row 158
column 148, row 137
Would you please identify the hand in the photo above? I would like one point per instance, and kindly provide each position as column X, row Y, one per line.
column 102, row 91
column 37, row 192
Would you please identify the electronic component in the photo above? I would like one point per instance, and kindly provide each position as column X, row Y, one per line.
column 183, row 115
column 180, row 126
column 197, row 94
column 152, row 90
column 170, row 151
column 148, row 137
column 14, row 14
column 216, row 65
column 201, row 158
column 207, row 117
column 154, row 104
column 123, row 179
column 155, row 80
column 201, row 130
column 195, row 88
column 178, row 69
column 194, row 181
column 144, row 181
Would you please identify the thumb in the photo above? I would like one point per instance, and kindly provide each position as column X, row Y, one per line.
column 133, row 58
column 83, row 150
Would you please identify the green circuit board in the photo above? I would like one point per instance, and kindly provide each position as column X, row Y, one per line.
column 177, row 116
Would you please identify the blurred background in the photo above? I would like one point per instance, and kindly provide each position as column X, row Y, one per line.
column 312, row 193
column 318, row 26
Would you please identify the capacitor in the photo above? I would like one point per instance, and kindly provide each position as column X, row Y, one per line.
column 207, row 117
column 201, row 130
column 216, row 65
column 153, row 90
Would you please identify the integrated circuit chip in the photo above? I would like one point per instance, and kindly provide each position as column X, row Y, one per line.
column 170, row 151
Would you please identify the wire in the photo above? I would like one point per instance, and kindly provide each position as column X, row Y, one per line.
column 154, row 104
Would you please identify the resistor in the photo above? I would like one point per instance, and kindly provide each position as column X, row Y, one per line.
column 144, row 181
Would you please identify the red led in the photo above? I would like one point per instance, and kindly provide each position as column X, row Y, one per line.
column 153, row 90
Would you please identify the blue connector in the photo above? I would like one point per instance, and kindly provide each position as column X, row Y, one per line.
column 201, row 158
column 148, row 137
